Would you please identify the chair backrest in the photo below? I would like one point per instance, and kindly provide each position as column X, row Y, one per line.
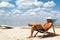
column 53, row 21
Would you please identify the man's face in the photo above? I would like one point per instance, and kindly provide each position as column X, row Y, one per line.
column 48, row 20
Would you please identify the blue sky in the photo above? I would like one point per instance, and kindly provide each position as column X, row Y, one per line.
column 22, row 12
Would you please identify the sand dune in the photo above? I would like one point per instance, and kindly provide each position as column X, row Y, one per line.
column 21, row 34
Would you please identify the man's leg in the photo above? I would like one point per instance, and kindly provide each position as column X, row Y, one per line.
column 32, row 30
column 34, row 27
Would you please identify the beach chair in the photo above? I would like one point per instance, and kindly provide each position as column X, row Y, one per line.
column 52, row 20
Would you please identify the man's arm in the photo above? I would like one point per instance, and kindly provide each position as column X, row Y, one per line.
column 44, row 24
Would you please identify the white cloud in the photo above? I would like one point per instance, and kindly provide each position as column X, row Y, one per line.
column 29, row 14
column 6, row 4
column 55, row 11
column 14, row 13
column 49, row 4
column 5, row 0
column 56, row 14
column 44, row 8
column 38, row 3
column 2, row 12
column 28, row 3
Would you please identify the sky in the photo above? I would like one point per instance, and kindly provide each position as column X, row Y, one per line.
column 22, row 12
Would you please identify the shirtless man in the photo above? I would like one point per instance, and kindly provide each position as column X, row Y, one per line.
column 46, row 26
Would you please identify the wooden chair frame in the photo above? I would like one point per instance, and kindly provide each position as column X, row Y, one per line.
column 45, row 32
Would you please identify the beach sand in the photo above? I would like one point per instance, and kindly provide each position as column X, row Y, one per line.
column 21, row 34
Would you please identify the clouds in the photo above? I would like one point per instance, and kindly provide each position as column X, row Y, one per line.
column 4, row 0
column 29, row 14
column 56, row 14
column 28, row 10
column 35, row 6
column 49, row 4
column 6, row 4
column 1, row 12
column 30, row 3
column 29, row 7
column 14, row 13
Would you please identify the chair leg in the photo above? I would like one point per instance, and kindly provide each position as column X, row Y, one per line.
column 35, row 34
column 43, row 35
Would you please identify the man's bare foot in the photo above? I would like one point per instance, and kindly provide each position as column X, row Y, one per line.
column 30, row 37
column 30, row 24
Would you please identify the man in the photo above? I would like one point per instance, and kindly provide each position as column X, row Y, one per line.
column 46, row 26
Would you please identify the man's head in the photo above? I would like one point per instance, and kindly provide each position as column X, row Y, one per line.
column 49, row 19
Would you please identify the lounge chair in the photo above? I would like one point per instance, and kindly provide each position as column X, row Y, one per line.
column 46, row 31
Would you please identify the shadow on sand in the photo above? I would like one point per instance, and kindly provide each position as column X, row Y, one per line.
column 49, row 35
column 7, row 28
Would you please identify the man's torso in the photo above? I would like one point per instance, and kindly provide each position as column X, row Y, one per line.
column 47, row 26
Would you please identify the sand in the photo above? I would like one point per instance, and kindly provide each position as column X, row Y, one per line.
column 21, row 34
